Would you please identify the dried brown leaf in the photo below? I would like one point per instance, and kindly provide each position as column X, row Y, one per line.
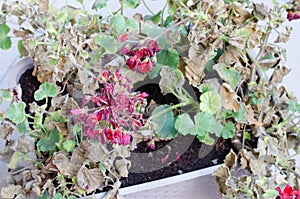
column 90, row 179
column 251, row 117
column 229, row 98
column 11, row 191
column 230, row 159
column 269, row 63
column 94, row 150
column 284, row 37
column 123, row 167
column 221, row 174
column 279, row 74
column 6, row 130
column 43, row 5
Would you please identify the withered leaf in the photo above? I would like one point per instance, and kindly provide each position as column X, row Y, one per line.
column 251, row 117
column 6, row 129
column 90, row 179
column 279, row 74
column 43, row 5
column 269, row 63
column 230, row 159
column 94, row 150
column 123, row 167
column 229, row 98
column 284, row 37
column 11, row 191
column 221, row 174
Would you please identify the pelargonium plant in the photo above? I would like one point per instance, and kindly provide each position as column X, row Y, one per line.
column 86, row 115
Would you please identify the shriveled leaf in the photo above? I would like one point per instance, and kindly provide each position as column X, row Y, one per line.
column 49, row 143
column 279, row 74
column 45, row 90
column 230, row 159
column 170, row 80
column 95, row 151
column 11, row 191
column 229, row 98
column 90, row 179
column 210, row 102
column 123, row 167
column 168, row 58
column 118, row 24
column 6, row 130
column 221, row 174
column 5, row 41
column 16, row 112
column 164, row 120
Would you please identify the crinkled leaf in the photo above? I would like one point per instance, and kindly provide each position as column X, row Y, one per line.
column 16, row 112
column 118, row 24
column 184, row 123
column 11, row 191
column 164, row 119
column 89, row 179
column 155, row 18
column 210, row 102
column 228, row 130
column 6, row 129
column 168, row 58
column 109, row 44
column 49, row 143
column 170, row 80
column 123, row 167
column 69, row 145
column 132, row 3
column 230, row 75
column 5, row 41
column 45, row 90
column 99, row 4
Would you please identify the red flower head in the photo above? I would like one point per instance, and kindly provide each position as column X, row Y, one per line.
column 288, row 193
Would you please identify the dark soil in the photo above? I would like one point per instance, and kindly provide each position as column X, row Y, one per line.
column 185, row 153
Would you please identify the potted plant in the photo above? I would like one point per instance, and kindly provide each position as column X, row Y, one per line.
column 109, row 87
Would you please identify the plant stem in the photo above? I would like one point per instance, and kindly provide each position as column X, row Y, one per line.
column 122, row 7
column 259, row 71
column 147, row 7
column 169, row 109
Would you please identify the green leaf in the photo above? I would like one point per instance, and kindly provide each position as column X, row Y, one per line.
column 241, row 115
column 247, row 136
column 155, row 18
column 16, row 112
column 108, row 43
column 69, row 145
column 80, row 1
column 164, row 119
column 44, row 196
column 57, row 116
column 230, row 75
column 6, row 95
column 20, row 47
column 72, row 197
column 184, row 124
column 5, row 41
column 132, row 3
column 118, row 24
column 45, row 90
column 132, row 25
column 207, row 123
column 294, row 106
column 22, row 127
column 49, row 143
column 16, row 156
column 168, row 21
column 99, row 4
column 270, row 193
column 168, row 58
column 58, row 196
column 210, row 102
column 228, row 131
column 206, row 139
column 155, row 71
column 102, row 167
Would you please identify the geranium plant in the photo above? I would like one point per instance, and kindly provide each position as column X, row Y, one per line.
column 87, row 116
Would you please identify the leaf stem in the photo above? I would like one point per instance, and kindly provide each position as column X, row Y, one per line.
column 147, row 7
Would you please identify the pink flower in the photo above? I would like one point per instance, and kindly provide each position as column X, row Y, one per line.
column 123, row 37
column 133, row 62
column 145, row 67
column 165, row 159
column 177, row 157
column 288, row 193
column 76, row 111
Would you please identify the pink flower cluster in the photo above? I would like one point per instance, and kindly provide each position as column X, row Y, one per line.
column 293, row 15
column 142, row 59
column 114, row 110
column 288, row 193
